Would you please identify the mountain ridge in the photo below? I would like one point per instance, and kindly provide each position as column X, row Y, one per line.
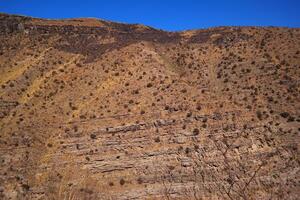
column 77, row 19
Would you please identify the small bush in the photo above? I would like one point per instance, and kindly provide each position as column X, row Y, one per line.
column 111, row 184
column 183, row 90
column 259, row 115
column 149, row 85
column 284, row 114
column 196, row 131
column 157, row 139
column 93, row 136
column 122, row 181
column 140, row 180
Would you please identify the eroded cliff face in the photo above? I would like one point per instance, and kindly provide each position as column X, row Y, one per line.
column 91, row 109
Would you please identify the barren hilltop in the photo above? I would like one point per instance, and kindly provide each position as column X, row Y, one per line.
column 91, row 109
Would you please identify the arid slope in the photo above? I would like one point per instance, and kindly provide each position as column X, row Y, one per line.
column 91, row 109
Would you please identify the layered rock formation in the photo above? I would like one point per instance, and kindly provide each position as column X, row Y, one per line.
column 91, row 109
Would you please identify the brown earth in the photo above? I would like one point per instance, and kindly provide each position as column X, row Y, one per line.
column 91, row 109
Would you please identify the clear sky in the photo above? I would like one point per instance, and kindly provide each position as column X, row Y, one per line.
column 166, row 14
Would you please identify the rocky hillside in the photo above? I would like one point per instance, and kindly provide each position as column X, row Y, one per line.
column 91, row 109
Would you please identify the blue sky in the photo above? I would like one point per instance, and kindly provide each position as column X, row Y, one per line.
column 166, row 14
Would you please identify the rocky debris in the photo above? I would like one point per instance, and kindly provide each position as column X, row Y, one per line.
column 186, row 162
column 6, row 107
column 127, row 128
